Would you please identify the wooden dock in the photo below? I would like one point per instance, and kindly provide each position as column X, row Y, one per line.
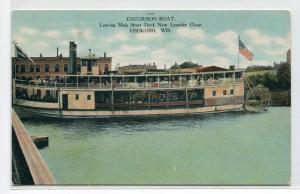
column 29, row 168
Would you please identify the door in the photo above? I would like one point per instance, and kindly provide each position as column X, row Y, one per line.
column 65, row 101
column 89, row 66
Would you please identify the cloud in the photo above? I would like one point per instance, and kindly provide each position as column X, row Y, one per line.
column 52, row 33
column 229, row 39
column 75, row 32
column 137, row 55
column 149, row 36
column 276, row 52
column 64, row 42
column 28, row 31
column 196, row 34
column 129, row 50
column 257, row 37
column 221, row 61
column 20, row 39
column 41, row 44
column 120, row 36
column 204, row 50
column 283, row 41
column 86, row 34
column 174, row 45
column 160, row 51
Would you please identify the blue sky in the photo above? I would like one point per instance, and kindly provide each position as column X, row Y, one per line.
column 265, row 33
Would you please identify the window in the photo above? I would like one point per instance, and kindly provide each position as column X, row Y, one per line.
column 38, row 93
column 88, row 97
column 27, row 68
column 106, row 68
column 224, row 92
column 46, row 68
column 214, row 93
column 31, row 68
column 18, row 68
column 231, row 91
column 78, row 68
column 37, row 68
column 77, row 96
column 65, row 68
column 22, row 68
column 57, row 68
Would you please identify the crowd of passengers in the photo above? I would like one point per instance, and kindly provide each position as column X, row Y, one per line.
column 23, row 94
column 83, row 81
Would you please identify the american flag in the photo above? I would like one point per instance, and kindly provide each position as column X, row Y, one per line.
column 21, row 55
column 245, row 52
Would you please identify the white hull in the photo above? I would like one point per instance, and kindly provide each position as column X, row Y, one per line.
column 26, row 112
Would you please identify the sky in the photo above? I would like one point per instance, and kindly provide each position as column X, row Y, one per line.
column 215, row 42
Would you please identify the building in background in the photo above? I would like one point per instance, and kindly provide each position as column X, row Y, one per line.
column 136, row 69
column 46, row 67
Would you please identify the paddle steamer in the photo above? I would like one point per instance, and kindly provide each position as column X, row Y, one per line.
column 89, row 89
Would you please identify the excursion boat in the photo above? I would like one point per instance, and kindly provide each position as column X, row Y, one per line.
column 73, row 87
column 73, row 96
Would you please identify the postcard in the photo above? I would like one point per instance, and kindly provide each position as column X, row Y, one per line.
column 151, row 97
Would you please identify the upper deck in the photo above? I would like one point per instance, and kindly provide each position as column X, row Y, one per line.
column 136, row 82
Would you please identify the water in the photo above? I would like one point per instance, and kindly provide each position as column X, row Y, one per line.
column 207, row 149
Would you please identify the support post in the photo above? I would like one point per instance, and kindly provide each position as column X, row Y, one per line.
column 148, row 99
column 129, row 100
column 167, row 98
column 112, row 101
column 65, row 80
column 180, row 80
column 100, row 82
column 59, row 102
column 111, row 83
column 146, row 82
column 186, row 98
column 234, row 91
column 88, row 82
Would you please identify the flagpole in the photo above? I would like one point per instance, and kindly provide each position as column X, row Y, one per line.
column 238, row 51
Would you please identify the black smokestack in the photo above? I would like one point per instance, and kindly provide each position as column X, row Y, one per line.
column 72, row 58
column 57, row 52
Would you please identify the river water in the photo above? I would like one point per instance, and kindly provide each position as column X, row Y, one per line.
column 207, row 149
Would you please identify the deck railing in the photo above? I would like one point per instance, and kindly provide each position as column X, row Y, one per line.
column 131, row 85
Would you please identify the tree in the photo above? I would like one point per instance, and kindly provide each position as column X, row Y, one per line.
column 175, row 66
column 187, row 64
column 284, row 76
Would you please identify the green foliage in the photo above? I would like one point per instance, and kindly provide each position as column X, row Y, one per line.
column 187, row 64
column 284, row 76
column 258, row 68
column 279, row 81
